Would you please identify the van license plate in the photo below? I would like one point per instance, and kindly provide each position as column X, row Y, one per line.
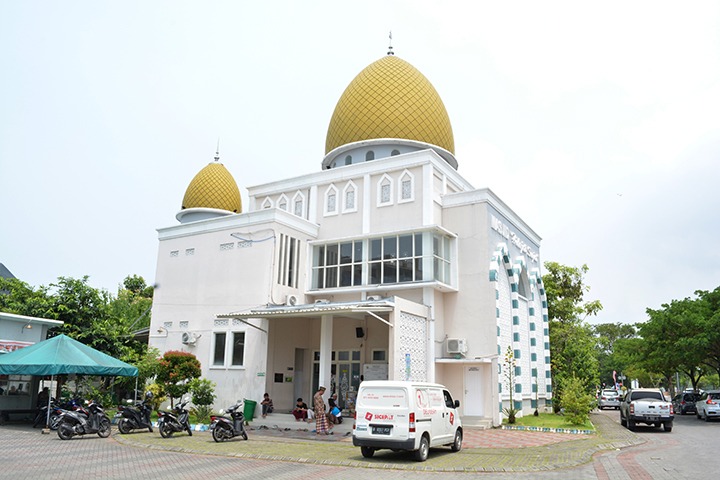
column 381, row 430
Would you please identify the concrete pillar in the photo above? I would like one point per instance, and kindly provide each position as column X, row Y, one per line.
column 326, row 333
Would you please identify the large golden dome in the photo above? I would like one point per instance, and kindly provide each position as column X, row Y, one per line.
column 213, row 187
column 390, row 99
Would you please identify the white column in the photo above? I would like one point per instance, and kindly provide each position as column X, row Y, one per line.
column 326, row 332
column 366, row 203
column 429, row 300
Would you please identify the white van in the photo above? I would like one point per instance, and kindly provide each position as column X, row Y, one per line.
column 410, row 416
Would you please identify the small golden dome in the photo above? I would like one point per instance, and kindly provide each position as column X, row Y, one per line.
column 213, row 187
column 390, row 99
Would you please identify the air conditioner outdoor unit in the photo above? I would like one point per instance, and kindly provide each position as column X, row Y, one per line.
column 456, row 345
column 189, row 338
column 374, row 298
column 291, row 300
column 322, row 301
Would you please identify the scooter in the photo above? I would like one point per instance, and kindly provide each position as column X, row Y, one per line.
column 224, row 428
column 84, row 421
column 133, row 418
column 175, row 421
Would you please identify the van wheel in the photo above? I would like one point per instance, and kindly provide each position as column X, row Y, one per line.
column 367, row 452
column 457, row 443
column 421, row 453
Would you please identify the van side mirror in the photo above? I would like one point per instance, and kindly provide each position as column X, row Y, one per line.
column 457, row 403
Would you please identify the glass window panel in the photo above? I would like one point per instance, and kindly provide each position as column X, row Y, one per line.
column 389, row 247
column 319, row 257
column 319, row 278
column 332, row 255
column 385, row 193
column 219, row 355
column 356, row 357
column 331, row 277
column 331, row 202
column 346, row 275
column 350, row 199
column 406, row 246
column 346, row 253
column 375, row 273
column 375, row 249
column 316, row 356
column 344, row 355
column 405, row 270
column 390, row 272
column 418, row 269
column 358, row 251
column 418, row 245
column 436, row 245
column 238, row 348
column 357, row 274
column 436, row 268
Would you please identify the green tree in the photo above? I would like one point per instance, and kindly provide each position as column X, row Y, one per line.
column 609, row 335
column 175, row 370
column 572, row 344
column 710, row 309
column 577, row 402
column 203, row 396
column 20, row 298
column 675, row 340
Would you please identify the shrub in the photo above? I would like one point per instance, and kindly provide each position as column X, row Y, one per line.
column 576, row 401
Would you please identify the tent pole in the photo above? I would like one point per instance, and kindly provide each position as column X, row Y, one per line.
column 47, row 416
column 136, row 382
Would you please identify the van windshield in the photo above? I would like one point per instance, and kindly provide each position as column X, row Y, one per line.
column 383, row 397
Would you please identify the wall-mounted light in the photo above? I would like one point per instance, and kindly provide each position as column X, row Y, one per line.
column 27, row 326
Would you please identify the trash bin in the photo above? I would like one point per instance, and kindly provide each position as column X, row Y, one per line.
column 249, row 409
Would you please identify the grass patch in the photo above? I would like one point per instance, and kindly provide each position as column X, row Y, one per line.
column 549, row 420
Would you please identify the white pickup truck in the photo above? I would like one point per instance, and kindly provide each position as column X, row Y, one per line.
column 646, row 405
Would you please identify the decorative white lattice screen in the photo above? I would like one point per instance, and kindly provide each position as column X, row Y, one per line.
column 411, row 348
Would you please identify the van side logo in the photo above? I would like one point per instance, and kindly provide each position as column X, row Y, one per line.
column 452, row 418
column 368, row 416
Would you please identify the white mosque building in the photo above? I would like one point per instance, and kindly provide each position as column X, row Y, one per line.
column 384, row 264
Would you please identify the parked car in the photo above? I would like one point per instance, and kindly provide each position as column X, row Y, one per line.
column 684, row 403
column 708, row 405
column 648, row 406
column 609, row 398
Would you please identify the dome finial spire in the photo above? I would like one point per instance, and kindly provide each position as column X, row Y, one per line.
column 390, row 50
column 217, row 151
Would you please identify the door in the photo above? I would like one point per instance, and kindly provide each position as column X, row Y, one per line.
column 474, row 392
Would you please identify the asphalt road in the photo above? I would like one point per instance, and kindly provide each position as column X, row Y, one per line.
column 686, row 453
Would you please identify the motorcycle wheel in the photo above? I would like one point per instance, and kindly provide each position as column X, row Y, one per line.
column 220, row 434
column 244, row 434
column 189, row 430
column 65, row 431
column 105, row 428
column 166, row 430
column 54, row 421
column 124, row 426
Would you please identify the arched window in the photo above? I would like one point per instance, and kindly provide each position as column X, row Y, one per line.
column 394, row 152
column 331, row 195
column 349, row 198
column 267, row 203
column 283, row 202
column 406, row 187
column 348, row 160
column 299, row 204
column 370, row 155
column 385, row 191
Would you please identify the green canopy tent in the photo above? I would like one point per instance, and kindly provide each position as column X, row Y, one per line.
column 63, row 355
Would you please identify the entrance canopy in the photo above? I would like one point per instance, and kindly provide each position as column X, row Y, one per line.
column 346, row 309
column 63, row 355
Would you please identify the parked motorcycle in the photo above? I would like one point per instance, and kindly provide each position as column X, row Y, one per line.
column 224, row 428
column 42, row 417
column 133, row 418
column 84, row 421
column 175, row 421
column 56, row 409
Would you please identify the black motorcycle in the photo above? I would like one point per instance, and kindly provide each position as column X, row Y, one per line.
column 42, row 417
column 133, row 418
column 175, row 421
column 224, row 428
column 84, row 421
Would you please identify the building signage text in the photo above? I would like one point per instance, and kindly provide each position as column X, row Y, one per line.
column 505, row 231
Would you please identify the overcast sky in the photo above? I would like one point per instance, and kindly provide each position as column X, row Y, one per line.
column 599, row 125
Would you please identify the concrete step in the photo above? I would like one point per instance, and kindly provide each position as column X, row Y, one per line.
column 481, row 423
